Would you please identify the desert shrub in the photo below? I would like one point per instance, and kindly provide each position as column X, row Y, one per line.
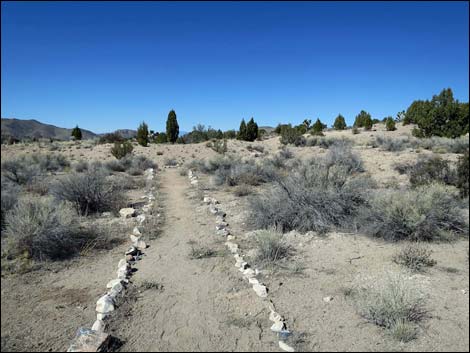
column 312, row 197
column 290, row 135
column 135, row 171
column 121, row 149
column 431, row 169
column 220, row 146
column 81, row 166
column 462, row 178
column 390, row 144
column 242, row 190
column 9, row 198
column 326, row 142
column 257, row 148
column 43, row 228
column 113, row 137
column 340, row 153
column 50, row 162
column 403, row 330
column 170, row 162
column 389, row 300
column 426, row 213
column 116, row 166
column 142, row 163
column 270, row 246
column 19, row 170
column 355, row 130
column 390, row 124
column 415, row 256
column 248, row 173
column 89, row 192
column 143, row 134
column 286, row 153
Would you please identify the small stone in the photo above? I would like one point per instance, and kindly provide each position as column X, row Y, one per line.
column 87, row 340
column 285, row 347
column 130, row 258
column 224, row 232
column 100, row 316
column 105, row 304
column 327, row 299
column 260, row 290
column 134, row 239
column 278, row 326
column 98, row 326
column 141, row 218
column 113, row 282
column 123, row 263
column 207, row 200
column 230, row 237
column 106, row 214
column 127, row 212
column 136, row 231
column 275, row 317
column 213, row 209
column 220, row 226
column 249, row 273
column 194, row 182
column 140, row 244
column 253, row 280
column 132, row 251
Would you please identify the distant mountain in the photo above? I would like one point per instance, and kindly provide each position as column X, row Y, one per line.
column 22, row 129
column 268, row 129
column 126, row 133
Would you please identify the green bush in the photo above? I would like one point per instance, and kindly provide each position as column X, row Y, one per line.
column 121, row 149
column 317, row 128
column 441, row 116
column 290, row 135
column 172, row 127
column 111, row 138
column 390, row 124
column 363, row 119
column 76, row 133
column 431, row 169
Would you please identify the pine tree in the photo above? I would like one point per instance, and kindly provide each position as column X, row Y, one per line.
column 242, row 131
column 251, row 130
column 143, row 134
column 363, row 119
column 340, row 123
column 76, row 133
column 172, row 127
column 317, row 128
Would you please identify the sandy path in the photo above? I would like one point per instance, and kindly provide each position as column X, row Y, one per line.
column 204, row 306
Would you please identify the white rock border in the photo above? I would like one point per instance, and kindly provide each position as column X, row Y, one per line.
column 279, row 325
column 89, row 340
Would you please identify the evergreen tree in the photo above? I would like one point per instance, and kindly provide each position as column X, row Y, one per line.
column 363, row 119
column 172, row 127
column 242, row 131
column 317, row 128
column 251, row 130
column 76, row 133
column 340, row 123
column 143, row 134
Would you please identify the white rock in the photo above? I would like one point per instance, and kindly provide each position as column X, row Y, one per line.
column 105, row 304
column 123, row 263
column 100, row 316
column 230, row 237
column 213, row 209
column 136, row 231
column 141, row 218
column 285, row 347
column 220, row 226
column 275, row 317
column 113, row 282
column 131, row 251
column 327, row 299
column 194, row 182
column 249, row 273
column 278, row 326
column 122, row 273
column 224, row 232
column 134, row 239
column 253, row 280
column 117, row 287
column 127, row 212
column 260, row 290
column 98, row 326
column 140, row 244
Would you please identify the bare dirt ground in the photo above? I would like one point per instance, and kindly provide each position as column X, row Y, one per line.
column 204, row 304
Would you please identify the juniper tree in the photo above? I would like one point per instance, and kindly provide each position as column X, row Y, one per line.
column 172, row 127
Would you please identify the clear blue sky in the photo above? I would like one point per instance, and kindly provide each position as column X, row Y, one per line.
column 110, row 65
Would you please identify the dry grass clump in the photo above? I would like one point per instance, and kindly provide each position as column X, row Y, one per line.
column 392, row 301
column 201, row 252
column 271, row 247
column 9, row 198
column 134, row 165
column 340, row 153
column 415, row 256
column 89, row 192
column 426, row 213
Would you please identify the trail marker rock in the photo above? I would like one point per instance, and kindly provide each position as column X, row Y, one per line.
column 105, row 304
column 87, row 340
column 285, row 347
column 260, row 290
column 127, row 212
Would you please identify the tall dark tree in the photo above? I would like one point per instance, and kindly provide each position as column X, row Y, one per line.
column 143, row 134
column 317, row 128
column 242, row 131
column 251, row 130
column 76, row 133
column 172, row 127
column 363, row 119
column 340, row 123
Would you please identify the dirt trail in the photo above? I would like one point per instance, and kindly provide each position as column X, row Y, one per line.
column 204, row 305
